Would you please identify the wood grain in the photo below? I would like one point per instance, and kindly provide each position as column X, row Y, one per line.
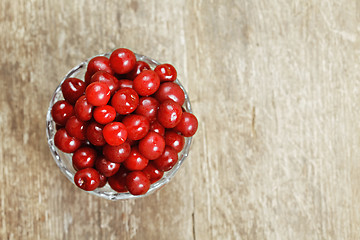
column 275, row 86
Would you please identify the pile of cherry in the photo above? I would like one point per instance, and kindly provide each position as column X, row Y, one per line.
column 124, row 125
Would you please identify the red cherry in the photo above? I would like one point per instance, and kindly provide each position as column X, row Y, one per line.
column 61, row 112
column 104, row 114
column 138, row 68
column 97, row 93
column 137, row 126
column 103, row 181
column 188, row 124
column 76, row 128
column 174, row 140
column 125, row 101
column 99, row 63
column 87, row 179
column 115, row 133
column 146, row 83
column 117, row 154
column 166, row 72
column 167, row 160
column 117, row 181
column 169, row 113
column 152, row 173
column 94, row 133
column 135, row 161
column 83, row 109
column 157, row 127
column 137, row 183
column 84, row 157
column 152, row 145
column 124, row 83
column 106, row 167
column 148, row 107
column 87, row 78
column 65, row 142
column 72, row 89
column 122, row 60
column 170, row 91
column 108, row 79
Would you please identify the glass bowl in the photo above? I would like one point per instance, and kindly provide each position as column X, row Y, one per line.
column 64, row 160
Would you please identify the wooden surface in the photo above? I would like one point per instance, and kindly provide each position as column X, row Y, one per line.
column 275, row 86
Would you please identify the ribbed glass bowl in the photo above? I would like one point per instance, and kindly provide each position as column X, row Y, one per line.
column 64, row 160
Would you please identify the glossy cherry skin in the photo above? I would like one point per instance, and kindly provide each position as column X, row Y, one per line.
column 84, row 157
column 169, row 113
column 125, row 83
column 146, row 83
column 104, row 114
column 137, row 183
column 115, row 133
column 166, row 72
column 87, row 179
column 99, row 63
column 108, row 79
column 122, row 60
column 170, row 91
column 152, row 145
column 152, row 172
column 125, row 101
column 61, row 111
column 135, row 161
column 76, row 128
column 117, row 154
column 157, row 127
column 97, row 93
column 137, row 126
column 188, row 124
column 138, row 68
column 72, row 89
column 174, row 140
column 103, row 181
column 65, row 142
column 106, row 167
column 167, row 160
column 148, row 107
column 83, row 109
column 94, row 133
column 117, row 181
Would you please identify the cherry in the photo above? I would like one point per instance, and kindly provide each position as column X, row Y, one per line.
column 76, row 128
column 125, row 83
column 117, row 154
column 172, row 91
column 99, row 63
column 125, row 101
column 169, row 113
column 167, row 160
column 158, row 128
column 65, row 142
column 106, row 167
column 137, row 126
column 115, row 133
column 117, row 181
column 97, row 93
column 137, row 183
column 108, row 79
column 84, row 157
column 152, row 145
column 87, row 179
column 174, row 140
column 83, row 109
column 188, row 124
column 152, row 173
column 148, row 107
column 61, row 112
column 87, row 78
column 122, row 60
column 166, row 72
column 146, row 83
column 94, row 133
column 72, row 89
column 135, row 161
column 104, row 114
column 103, row 181
column 138, row 68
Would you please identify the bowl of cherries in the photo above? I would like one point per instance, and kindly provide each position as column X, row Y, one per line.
column 120, row 125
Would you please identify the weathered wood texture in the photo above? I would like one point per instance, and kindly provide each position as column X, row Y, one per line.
column 275, row 86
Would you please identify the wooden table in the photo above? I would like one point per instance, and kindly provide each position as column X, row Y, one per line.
column 274, row 84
